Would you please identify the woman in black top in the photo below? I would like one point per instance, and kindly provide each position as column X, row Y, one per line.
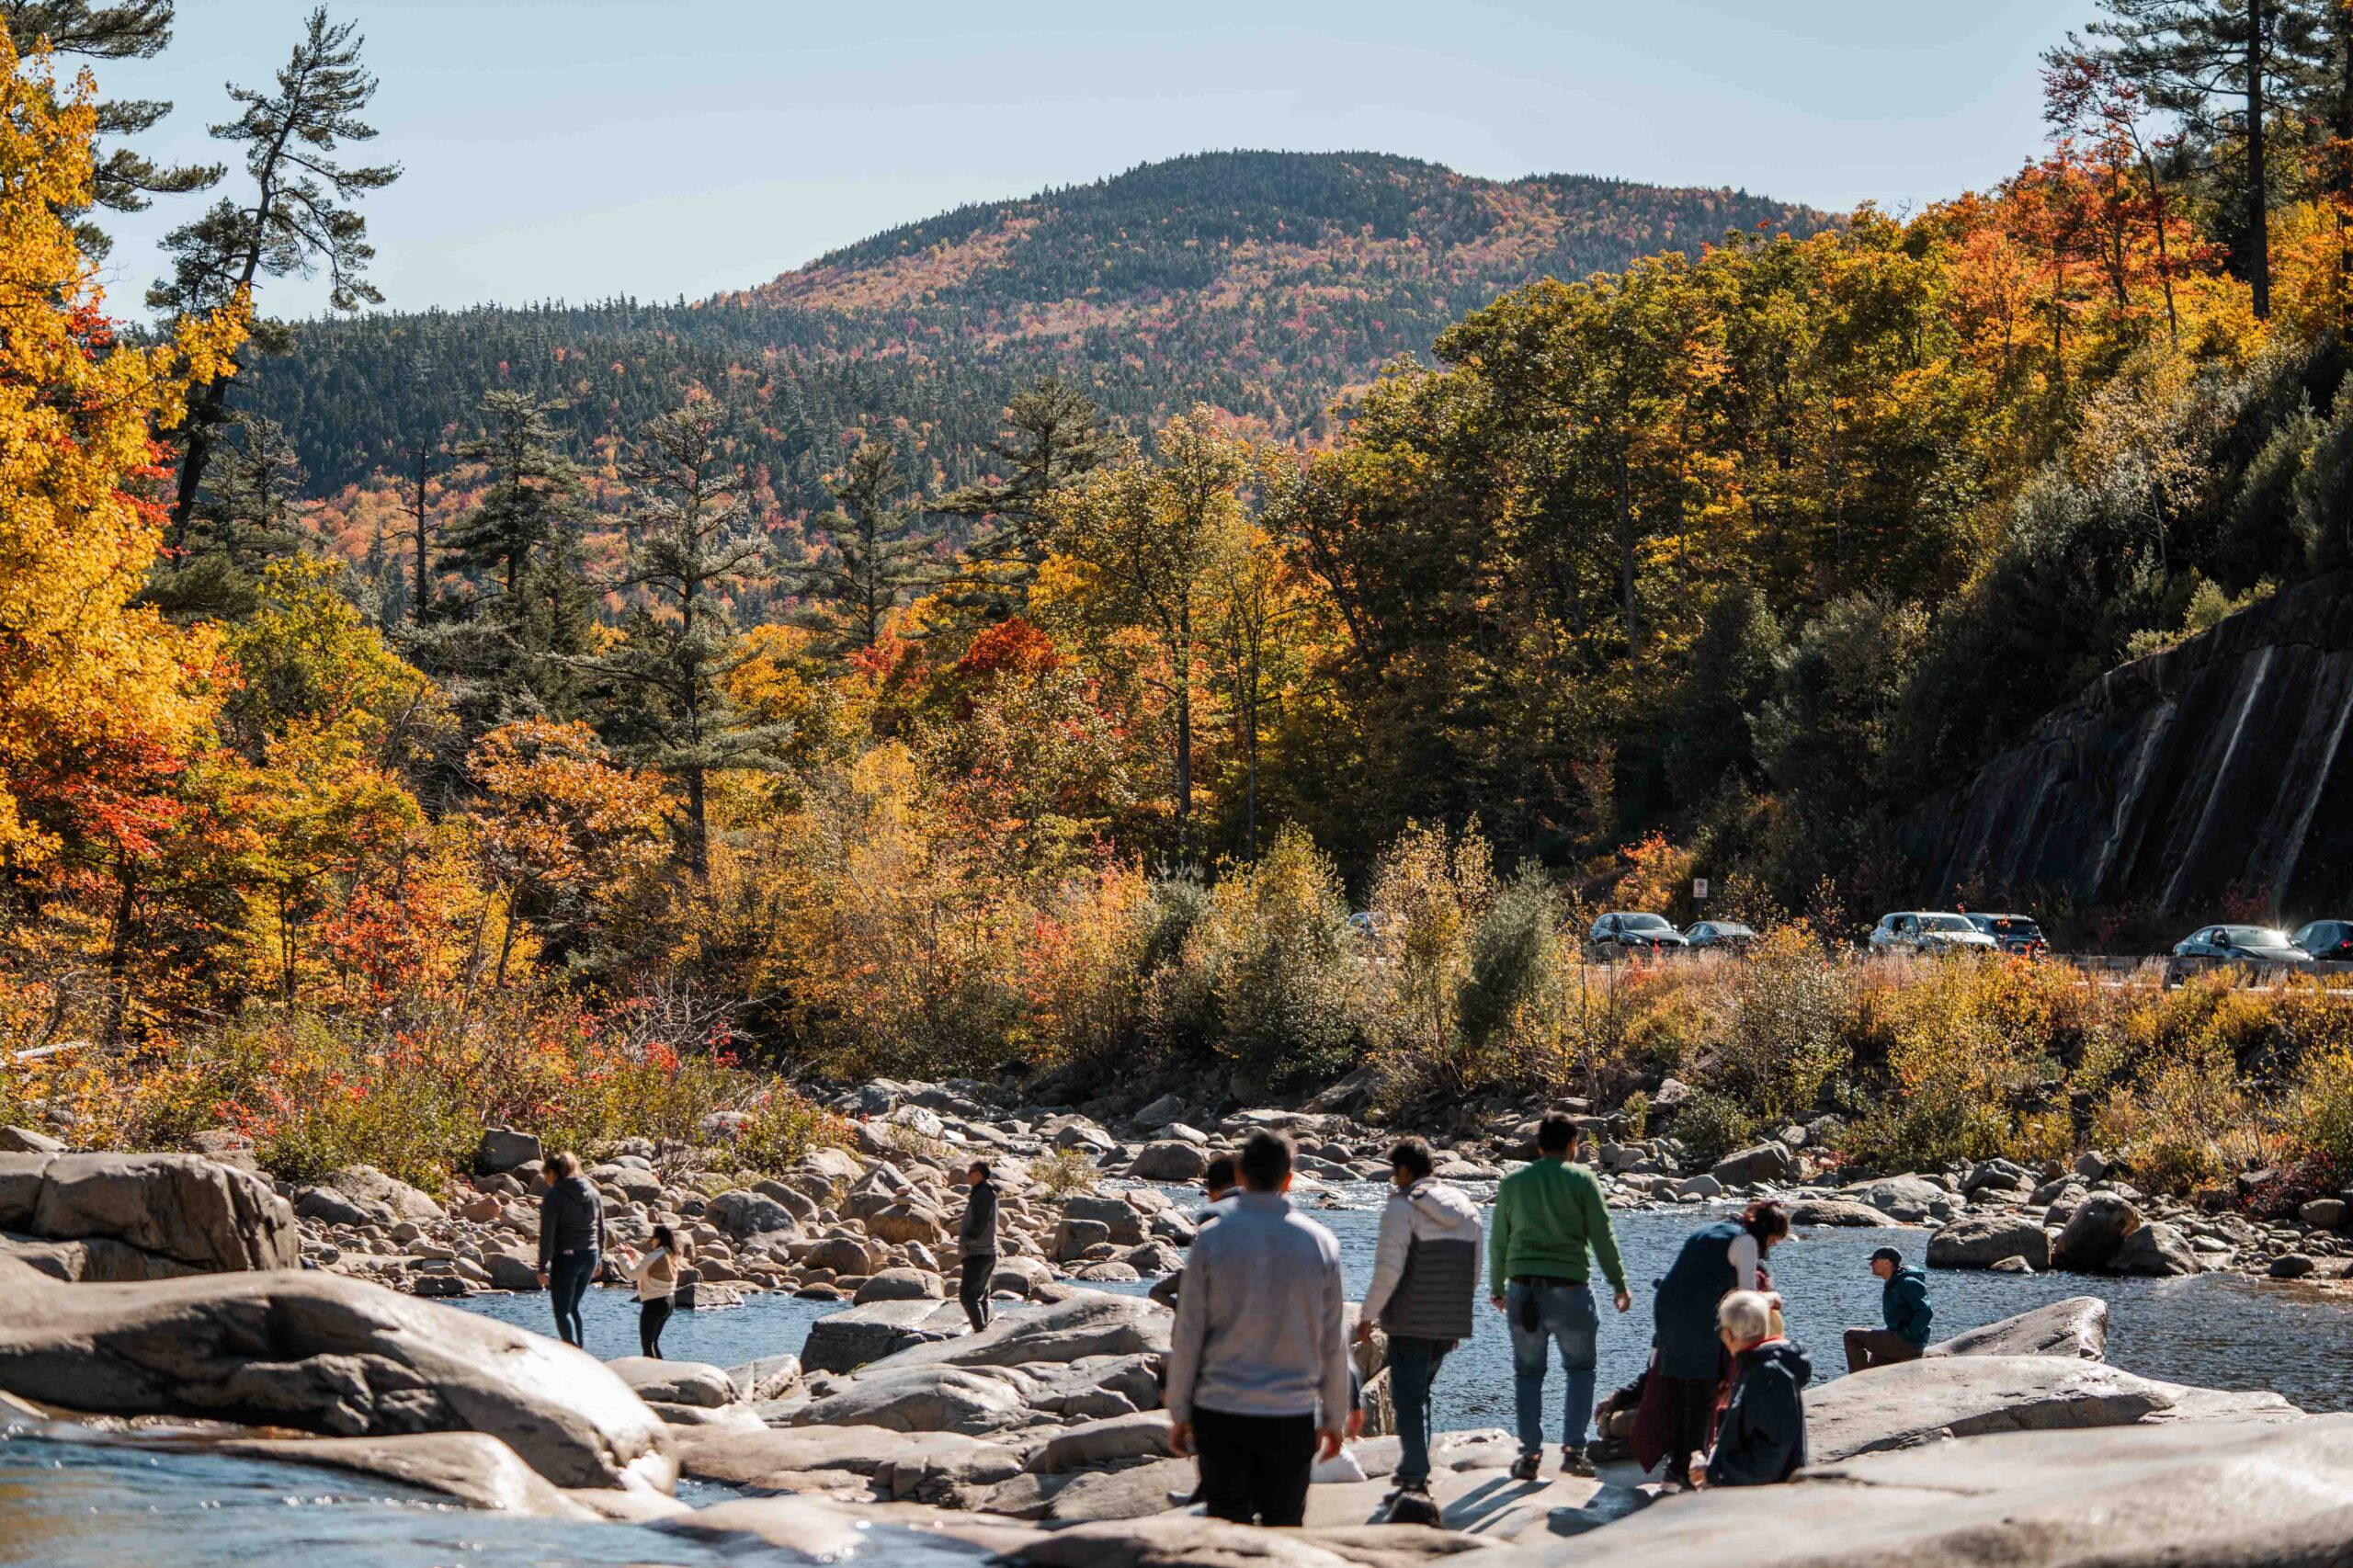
column 572, row 1242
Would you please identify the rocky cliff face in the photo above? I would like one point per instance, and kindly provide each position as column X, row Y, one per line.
column 2220, row 766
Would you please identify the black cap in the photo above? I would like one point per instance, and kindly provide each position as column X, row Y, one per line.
column 1887, row 1255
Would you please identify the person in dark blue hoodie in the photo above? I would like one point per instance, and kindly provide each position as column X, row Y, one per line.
column 1760, row 1440
column 1904, row 1303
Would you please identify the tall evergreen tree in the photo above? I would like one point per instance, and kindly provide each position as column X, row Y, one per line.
column 1054, row 435
column 124, row 180
column 301, row 216
column 533, row 497
column 692, row 542
column 2228, row 69
column 869, row 558
column 249, row 516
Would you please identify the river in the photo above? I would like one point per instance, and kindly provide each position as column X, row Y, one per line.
column 102, row 1505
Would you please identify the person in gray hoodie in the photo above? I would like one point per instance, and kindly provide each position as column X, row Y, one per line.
column 571, row 1242
column 1424, row 1293
column 1258, row 1358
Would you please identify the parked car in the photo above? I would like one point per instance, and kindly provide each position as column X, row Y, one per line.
column 2330, row 939
column 2240, row 945
column 1720, row 935
column 1624, row 933
column 2013, row 933
column 1927, row 931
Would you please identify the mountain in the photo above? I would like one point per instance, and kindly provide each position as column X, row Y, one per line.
column 1264, row 283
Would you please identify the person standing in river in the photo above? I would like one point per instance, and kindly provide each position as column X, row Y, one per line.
column 1258, row 1358
column 1424, row 1282
column 1548, row 1217
column 1716, row 1260
column 977, row 1245
column 656, row 1275
column 571, row 1242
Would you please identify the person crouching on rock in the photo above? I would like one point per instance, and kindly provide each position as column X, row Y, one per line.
column 656, row 1277
column 1424, row 1283
column 572, row 1242
column 1258, row 1358
column 976, row 1244
column 1715, row 1261
column 1904, row 1303
column 1761, row 1438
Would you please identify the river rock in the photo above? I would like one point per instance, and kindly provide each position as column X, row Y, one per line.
column 901, row 1284
column 1087, row 1323
column 769, row 1377
column 1908, row 1199
column 1142, row 1434
column 2153, row 1496
column 1765, row 1162
column 369, row 1184
column 850, row 1340
column 1121, row 1219
column 180, row 1206
column 663, row 1381
column 1074, row 1237
column 2075, row 1327
column 1959, row 1396
column 921, row 1399
column 1820, row 1212
column 1160, row 1112
column 2096, row 1233
column 813, row 1530
column 25, row 1141
column 845, row 1254
column 2322, row 1213
column 907, row 1221
column 474, row 1467
column 742, row 1212
column 326, row 1354
column 1981, row 1241
column 101, row 1260
column 511, row 1270
column 2157, row 1250
column 1187, row 1541
column 1135, row 1493
column 502, row 1149
column 1170, row 1159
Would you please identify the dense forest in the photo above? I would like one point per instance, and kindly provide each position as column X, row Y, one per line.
column 1027, row 641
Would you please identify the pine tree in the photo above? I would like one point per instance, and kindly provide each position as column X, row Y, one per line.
column 1054, row 434
column 301, row 216
column 123, row 180
column 869, row 559
column 533, row 497
column 250, row 515
column 692, row 543
column 2227, row 69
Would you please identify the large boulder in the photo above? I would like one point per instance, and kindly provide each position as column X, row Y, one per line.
column 369, row 1184
column 742, row 1212
column 1765, row 1162
column 1171, row 1159
column 922, row 1399
column 1143, row 1435
column 1122, row 1220
column 2157, row 1250
column 1088, row 1322
column 1816, row 1213
column 2095, row 1233
column 1907, row 1199
column 504, row 1148
column 901, row 1284
column 473, row 1466
column 324, row 1354
column 847, row 1341
column 180, row 1206
column 846, row 1255
column 2075, row 1327
column 660, row 1381
column 2156, row 1496
column 1136, row 1492
column 1981, row 1241
column 905, row 1222
column 1960, row 1396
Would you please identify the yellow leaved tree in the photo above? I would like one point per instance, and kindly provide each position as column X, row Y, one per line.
column 90, row 686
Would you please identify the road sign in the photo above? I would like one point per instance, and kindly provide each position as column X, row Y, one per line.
column 1700, row 889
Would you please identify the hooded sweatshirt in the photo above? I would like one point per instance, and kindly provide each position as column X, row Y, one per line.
column 572, row 1218
column 1904, row 1302
column 1761, row 1439
column 1426, row 1264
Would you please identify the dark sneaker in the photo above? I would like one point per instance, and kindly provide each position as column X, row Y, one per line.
column 1574, row 1462
column 1526, row 1466
column 1412, row 1505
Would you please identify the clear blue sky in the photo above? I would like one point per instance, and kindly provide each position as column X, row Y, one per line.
column 577, row 148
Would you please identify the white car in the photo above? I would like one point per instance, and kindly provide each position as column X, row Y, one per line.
column 1927, row 931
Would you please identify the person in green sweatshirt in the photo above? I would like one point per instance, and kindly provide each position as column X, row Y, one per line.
column 1548, row 1218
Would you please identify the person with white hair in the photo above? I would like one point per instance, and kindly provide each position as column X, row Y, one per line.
column 1761, row 1438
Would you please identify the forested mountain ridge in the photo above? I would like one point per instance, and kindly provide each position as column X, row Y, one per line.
column 1260, row 283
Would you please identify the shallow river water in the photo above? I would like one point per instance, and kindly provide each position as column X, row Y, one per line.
column 62, row 1503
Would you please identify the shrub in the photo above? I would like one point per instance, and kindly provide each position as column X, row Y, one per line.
column 2189, row 1125
column 782, row 1128
column 1711, row 1125
column 1785, row 1033
column 1064, row 1174
column 2320, row 1110
column 1429, row 899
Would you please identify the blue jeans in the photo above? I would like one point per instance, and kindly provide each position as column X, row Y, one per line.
column 1413, row 1366
column 1565, row 1317
column 569, row 1276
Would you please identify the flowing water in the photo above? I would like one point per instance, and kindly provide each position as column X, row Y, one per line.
column 65, row 1503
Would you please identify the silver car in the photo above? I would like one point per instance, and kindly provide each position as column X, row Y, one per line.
column 1928, row 931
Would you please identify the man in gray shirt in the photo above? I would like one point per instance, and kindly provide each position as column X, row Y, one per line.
column 977, row 1245
column 1259, row 1360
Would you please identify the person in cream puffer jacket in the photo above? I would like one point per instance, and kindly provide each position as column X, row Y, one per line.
column 1424, row 1286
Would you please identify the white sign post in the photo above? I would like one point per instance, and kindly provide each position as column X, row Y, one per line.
column 1699, row 890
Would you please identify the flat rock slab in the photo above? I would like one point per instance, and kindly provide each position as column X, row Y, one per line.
column 2152, row 1496
column 182, row 1206
column 1135, row 1493
column 1486, row 1504
column 751, row 1458
column 328, row 1355
column 1143, row 1435
column 477, row 1469
column 1186, row 1541
column 816, row 1530
column 2076, row 1327
column 1960, row 1396
column 848, row 1340
column 1082, row 1323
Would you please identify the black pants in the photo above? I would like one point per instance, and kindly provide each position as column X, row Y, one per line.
column 979, row 1270
column 1690, row 1415
column 652, row 1318
column 1869, row 1348
column 569, row 1276
column 1255, row 1468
